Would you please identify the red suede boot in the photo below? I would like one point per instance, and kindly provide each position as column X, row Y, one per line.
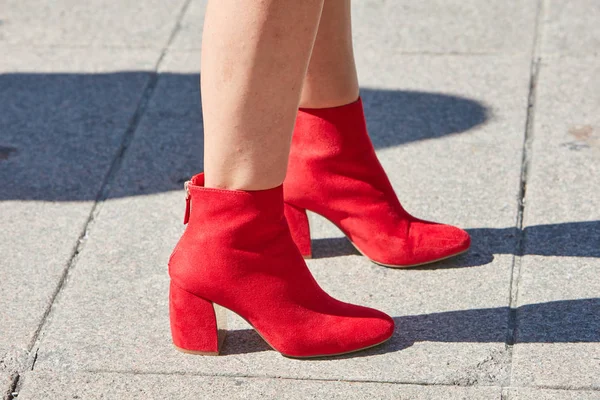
column 333, row 171
column 237, row 252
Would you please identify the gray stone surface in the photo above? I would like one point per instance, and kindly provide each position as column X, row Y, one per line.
column 571, row 27
column 406, row 26
column 558, row 330
column 548, row 394
column 67, row 118
column 416, row 99
column 445, row 86
column 42, row 385
column 442, row 26
column 64, row 129
column 559, row 292
column 101, row 23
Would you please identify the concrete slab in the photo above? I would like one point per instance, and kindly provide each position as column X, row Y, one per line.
column 422, row 98
column 418, row 27
column 548, row 394
column 445, row 88
column 559, row 291
column 102, row 23
column 571, row 28
column 37, row 239
column 389, row 27
column 162, row 161
column 44, row 385
column 67, row 118
column 58, row 141
column 115, row 302
column 558, row 331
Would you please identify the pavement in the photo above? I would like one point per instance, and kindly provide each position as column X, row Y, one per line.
column 485, row 115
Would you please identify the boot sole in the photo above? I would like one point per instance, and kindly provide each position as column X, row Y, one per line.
column 411, row 265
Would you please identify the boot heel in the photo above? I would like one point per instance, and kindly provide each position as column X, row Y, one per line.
column 198, row 326
column 299, row 227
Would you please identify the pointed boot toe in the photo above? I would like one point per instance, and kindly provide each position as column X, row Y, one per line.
column 435, row 242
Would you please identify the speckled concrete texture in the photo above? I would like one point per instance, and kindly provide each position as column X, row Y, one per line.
column 147, row 387
column 559, row 291
column 64, row 115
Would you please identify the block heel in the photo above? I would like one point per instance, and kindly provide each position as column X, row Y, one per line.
column 300, row 229
column 198, row 326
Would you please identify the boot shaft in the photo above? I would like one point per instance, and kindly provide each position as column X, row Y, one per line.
column 332, row 159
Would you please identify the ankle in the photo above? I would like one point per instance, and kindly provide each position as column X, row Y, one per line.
column 241, row 180
column 329, row 101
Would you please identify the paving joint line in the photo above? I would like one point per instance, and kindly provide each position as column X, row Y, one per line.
column 10, row 394
column 515, row 273
column 101, row 196
column 175, row 31
column 557, row 388
column 105, row 187
column 290, row 378
column 370, row 381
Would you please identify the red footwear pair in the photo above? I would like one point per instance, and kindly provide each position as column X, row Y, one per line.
column 238, row 249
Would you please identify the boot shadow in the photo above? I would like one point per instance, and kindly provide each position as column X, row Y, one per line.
column 565, row 321
column 569, row 239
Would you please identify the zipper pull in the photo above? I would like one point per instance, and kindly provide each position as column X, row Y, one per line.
column 188, row 200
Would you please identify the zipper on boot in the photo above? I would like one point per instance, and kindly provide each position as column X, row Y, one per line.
column 188, row 200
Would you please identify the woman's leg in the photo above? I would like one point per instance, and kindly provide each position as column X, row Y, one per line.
column 237, row 251
column 254, row 59
column 331, row 78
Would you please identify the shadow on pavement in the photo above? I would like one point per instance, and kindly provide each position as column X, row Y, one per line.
column 571, row 239
column 59, row 133
column 567, row 321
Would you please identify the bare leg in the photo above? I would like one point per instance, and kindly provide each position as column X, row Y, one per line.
column 254, row 59
column 331, row 78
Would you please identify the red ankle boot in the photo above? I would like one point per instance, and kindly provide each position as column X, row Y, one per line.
column 237, row 252
column 333, row 171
